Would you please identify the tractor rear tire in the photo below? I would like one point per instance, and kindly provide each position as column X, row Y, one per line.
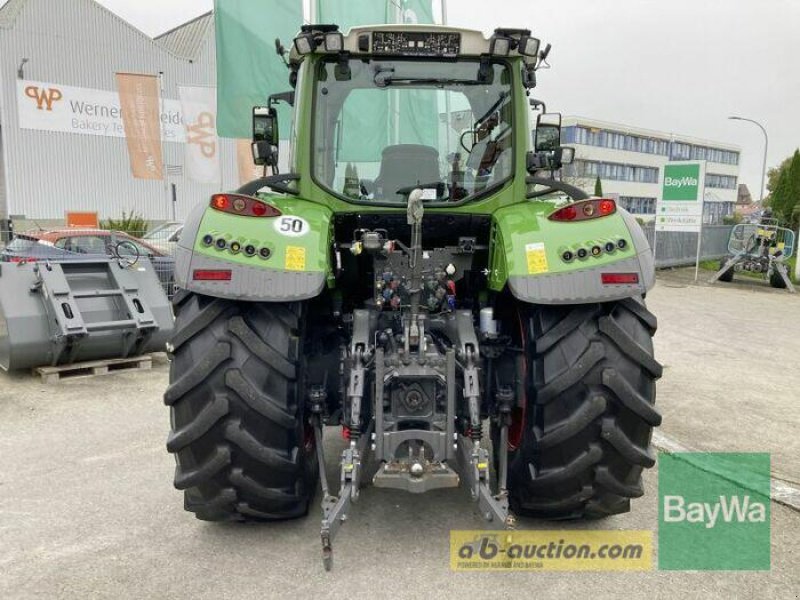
column 239, row 434
column 727, row 276
column 590, row 410
column 776, row 281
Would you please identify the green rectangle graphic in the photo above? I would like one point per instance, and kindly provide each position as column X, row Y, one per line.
column 714, row 511
column 681, row 182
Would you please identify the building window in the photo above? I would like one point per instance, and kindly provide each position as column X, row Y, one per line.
column 614, row 171
column 578, row 134
column 724, row 182
column 638, row 205
column 714, row 213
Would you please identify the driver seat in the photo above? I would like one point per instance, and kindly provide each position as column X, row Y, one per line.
column 404, row 165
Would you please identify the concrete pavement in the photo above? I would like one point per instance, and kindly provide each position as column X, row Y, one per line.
column 87, row 507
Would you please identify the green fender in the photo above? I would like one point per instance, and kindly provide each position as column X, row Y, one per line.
column 528, row 256
column 296, row 248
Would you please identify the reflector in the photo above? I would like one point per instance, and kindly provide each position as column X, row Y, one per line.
column 619, row 278
column 211, row 275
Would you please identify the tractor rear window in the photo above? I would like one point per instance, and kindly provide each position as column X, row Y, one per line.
column 383, row 127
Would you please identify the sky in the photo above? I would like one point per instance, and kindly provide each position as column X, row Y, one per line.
column 680, row 66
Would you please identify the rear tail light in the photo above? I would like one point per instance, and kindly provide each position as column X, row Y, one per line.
column 585, row 209
column 619, row 278
column 247, row 206
column 211, row 275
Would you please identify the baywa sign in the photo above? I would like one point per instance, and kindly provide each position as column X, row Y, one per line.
column 47, row 106
column 681, row 182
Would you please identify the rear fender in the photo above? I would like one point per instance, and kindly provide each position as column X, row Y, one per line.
column 298, row 244
column 528, row 256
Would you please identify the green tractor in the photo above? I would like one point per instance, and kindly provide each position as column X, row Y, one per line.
column 422, row 279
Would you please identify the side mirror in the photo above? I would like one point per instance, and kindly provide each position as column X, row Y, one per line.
column 548, row 132
column 265, row 154
column 265, row 125
column 549, row 161
column 565, row 155
column 265, row 136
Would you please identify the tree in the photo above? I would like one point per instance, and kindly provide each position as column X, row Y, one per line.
column 785, row 196
column 774, row 173
column 793, row 200
column 598, row 187
column 777, row 198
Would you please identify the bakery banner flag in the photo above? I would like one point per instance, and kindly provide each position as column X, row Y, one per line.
column 139, row 103
column 201, row 155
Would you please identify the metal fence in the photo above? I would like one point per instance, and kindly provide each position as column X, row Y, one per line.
column 61, row 244
column 672, row 249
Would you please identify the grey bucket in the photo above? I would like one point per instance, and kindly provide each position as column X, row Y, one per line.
column 62, row 313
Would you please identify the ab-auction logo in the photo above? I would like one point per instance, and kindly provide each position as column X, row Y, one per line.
column 714, row 511
column 44, row 97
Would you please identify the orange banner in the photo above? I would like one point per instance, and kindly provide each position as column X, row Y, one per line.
column 82, row 219
column 248, row 170
column 139, row 100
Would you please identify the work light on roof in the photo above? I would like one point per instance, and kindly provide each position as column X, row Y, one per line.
column 312, row 37
column 334, row 42
column 304, row 43
column 528, row 46
column 500, row 45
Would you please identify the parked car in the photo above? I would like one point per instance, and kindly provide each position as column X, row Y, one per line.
column 165, row 237
column 79, row 244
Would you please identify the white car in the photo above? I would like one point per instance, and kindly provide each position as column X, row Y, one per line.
column 165, row 237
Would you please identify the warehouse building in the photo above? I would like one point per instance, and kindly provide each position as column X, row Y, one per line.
column 629, row 161
column 62, row 147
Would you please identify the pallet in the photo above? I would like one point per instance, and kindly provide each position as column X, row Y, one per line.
column 94, row 368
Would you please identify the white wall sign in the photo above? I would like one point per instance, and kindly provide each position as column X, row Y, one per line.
column 47, row 106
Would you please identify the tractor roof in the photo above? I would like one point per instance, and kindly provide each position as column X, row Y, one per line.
column 418, row 41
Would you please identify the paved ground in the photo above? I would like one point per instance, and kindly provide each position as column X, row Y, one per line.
column 730, row 356
column 87, row 508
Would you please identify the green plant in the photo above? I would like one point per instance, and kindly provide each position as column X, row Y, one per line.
column 598, row 187
column 785, row 196
column 131, row 223
column 733, row 219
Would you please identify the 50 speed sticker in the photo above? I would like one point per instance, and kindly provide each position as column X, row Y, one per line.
column 291, row 226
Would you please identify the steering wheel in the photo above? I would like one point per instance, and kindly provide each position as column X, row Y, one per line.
column 126, row 252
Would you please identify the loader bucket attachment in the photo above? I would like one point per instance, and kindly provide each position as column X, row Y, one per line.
column 61, row 313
